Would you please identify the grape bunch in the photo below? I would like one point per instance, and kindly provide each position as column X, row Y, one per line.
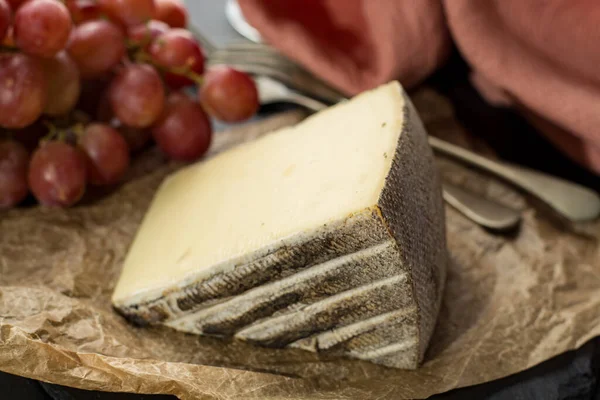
column 86, row 84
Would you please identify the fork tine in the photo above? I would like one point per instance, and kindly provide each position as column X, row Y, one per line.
column 222, row 56
column 250, row 49
column 265, row 57
column 247, row 45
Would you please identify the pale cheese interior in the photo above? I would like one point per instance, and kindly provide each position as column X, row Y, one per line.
column 293, row 180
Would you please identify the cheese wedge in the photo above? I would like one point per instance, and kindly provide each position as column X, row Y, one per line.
column 327, row 236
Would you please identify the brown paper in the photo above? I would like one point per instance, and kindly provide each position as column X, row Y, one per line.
column 511, row 301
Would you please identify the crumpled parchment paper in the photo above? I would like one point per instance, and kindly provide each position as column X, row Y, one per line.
column 511, row 301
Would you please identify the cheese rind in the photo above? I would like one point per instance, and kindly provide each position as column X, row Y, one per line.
column 347, row 257
column 272, row 263
column 338, row 310
column 304, row 287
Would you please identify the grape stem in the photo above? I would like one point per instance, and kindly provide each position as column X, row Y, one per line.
column 142, row 56
column 63, row 134
column 185, row 71
column 53, row 132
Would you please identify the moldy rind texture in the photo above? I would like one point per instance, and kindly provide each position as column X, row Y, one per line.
column 412, row 205
column 366, row 287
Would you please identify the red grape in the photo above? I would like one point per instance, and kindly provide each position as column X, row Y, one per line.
column 177, row 51
column 172, row 12
column 137, row 95
column 13, row 173
column 84, row 10
column 96, row 47
column 176, row 97
column 184, row 131
column 107, row 154
column 129, row 12
column 57, row 174
column 229, row 95
column 23, row 90
column 62, row 76
column 136, row 138
column 5, row 19
column 42, row 27
column 143, row 35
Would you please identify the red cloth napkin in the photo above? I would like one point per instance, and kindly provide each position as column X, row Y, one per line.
column 540, row 56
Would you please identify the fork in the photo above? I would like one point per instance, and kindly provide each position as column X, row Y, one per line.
column 280, row 80
column 572, row 201
column 480, row 210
